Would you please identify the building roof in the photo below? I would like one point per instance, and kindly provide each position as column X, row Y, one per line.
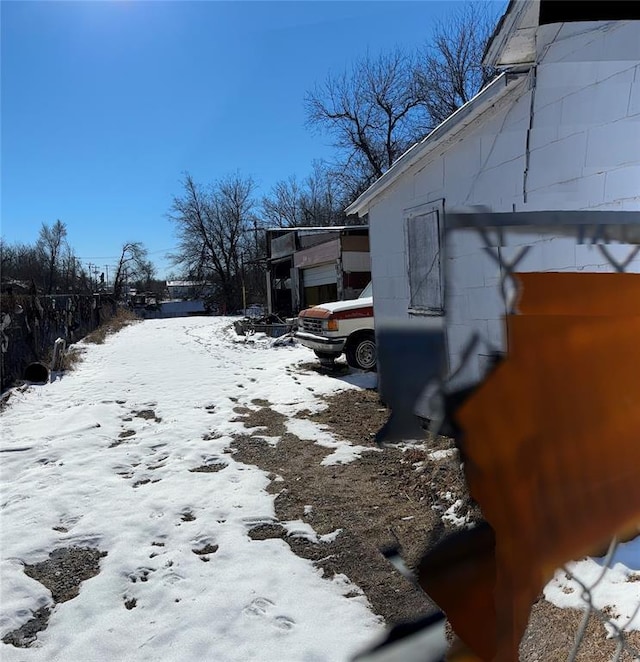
column 484, row 100
column 513, row 41
column 185, row 283
column 325, row 228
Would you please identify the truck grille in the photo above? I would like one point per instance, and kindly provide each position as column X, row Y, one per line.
column 311, row 325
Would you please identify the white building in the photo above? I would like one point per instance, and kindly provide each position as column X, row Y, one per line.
column 559, row 129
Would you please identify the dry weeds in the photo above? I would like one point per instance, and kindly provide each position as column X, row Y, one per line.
column 122, row 318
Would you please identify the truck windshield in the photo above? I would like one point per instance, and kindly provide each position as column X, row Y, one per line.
column 367, row 292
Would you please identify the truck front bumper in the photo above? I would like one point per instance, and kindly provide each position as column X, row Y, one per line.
column 321, row 343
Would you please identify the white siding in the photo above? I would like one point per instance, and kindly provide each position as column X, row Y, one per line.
column 583, row 131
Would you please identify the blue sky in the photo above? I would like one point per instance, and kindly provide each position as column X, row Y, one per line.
column 106, row 104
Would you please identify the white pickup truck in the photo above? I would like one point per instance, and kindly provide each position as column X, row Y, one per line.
column 341, row 326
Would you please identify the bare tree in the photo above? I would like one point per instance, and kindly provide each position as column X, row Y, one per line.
column 282, row 207
column 324, row 198
column 71, row 275
column 24, row 263
column 132, row 265
column 51, row 242
column 383, row 105
column 49, row 264
column 214, row 229
column 449, row 70
column 372, row 112
column 318, row 200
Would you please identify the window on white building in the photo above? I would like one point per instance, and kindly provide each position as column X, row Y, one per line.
column 425, row 268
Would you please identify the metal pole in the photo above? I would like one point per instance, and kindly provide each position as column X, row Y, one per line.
column 244, row 289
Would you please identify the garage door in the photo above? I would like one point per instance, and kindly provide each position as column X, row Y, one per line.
column 325, row 274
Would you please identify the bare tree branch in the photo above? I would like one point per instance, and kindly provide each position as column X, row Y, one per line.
column 449, row 70
column 214, row 227
column 51, row 242
column 132, row 265
column 384, row 104
column 368, row 111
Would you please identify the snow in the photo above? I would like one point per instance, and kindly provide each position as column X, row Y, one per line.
column 300, row 529
column 615, row 589
column 64, row 464
column 436, row 456
column 451, row 516
column 344, row 452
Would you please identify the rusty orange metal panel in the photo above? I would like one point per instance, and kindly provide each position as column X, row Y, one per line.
column 550, row 439
column 566, row 293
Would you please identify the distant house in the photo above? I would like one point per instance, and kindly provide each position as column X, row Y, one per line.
column 188, row 289
column 307, row 266
column 558, row 129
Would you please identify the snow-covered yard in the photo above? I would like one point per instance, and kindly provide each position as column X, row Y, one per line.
column 120, row 456
column 136, row 455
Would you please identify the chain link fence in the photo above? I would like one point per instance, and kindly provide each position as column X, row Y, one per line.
column 558, row 241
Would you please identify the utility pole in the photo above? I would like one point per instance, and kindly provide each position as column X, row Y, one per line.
column 89, row 268
column 244, row 289
column 106, row 267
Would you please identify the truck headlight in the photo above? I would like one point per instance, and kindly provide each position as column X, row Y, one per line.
column 331, row 325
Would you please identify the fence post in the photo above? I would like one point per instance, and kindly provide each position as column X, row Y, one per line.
column 56, row 360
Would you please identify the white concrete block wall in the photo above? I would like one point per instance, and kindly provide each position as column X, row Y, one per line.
column 613, row 145
column 584, row 154
column 430, row 179
column 559, row 161
column 633, row 108
column 620, row 181
column 387, row 246
column 588, row 80
column 598, row 102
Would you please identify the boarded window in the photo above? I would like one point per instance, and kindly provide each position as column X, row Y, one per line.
column 423, row 249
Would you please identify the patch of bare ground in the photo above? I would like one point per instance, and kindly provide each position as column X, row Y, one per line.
column 353, row 415
column 8, row 396
column 269, row 422
column 147, row 415
column 379, row 501
column 551, row 634
column 209, row 468
column 62, row 573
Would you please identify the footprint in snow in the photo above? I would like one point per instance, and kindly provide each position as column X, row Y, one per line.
column 259, row 607
column 284, row 622
column 264, row 608
column 140, row 575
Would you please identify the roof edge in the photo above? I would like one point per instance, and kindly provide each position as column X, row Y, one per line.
column 506, row 28
column 317, row 228
column 469, row 111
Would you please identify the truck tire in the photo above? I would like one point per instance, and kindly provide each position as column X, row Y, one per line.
column 361, row 352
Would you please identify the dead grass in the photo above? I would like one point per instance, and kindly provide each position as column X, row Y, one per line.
column 71, row 357
column 122, row 318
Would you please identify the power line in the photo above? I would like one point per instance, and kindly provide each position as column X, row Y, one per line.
column 115, row 257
